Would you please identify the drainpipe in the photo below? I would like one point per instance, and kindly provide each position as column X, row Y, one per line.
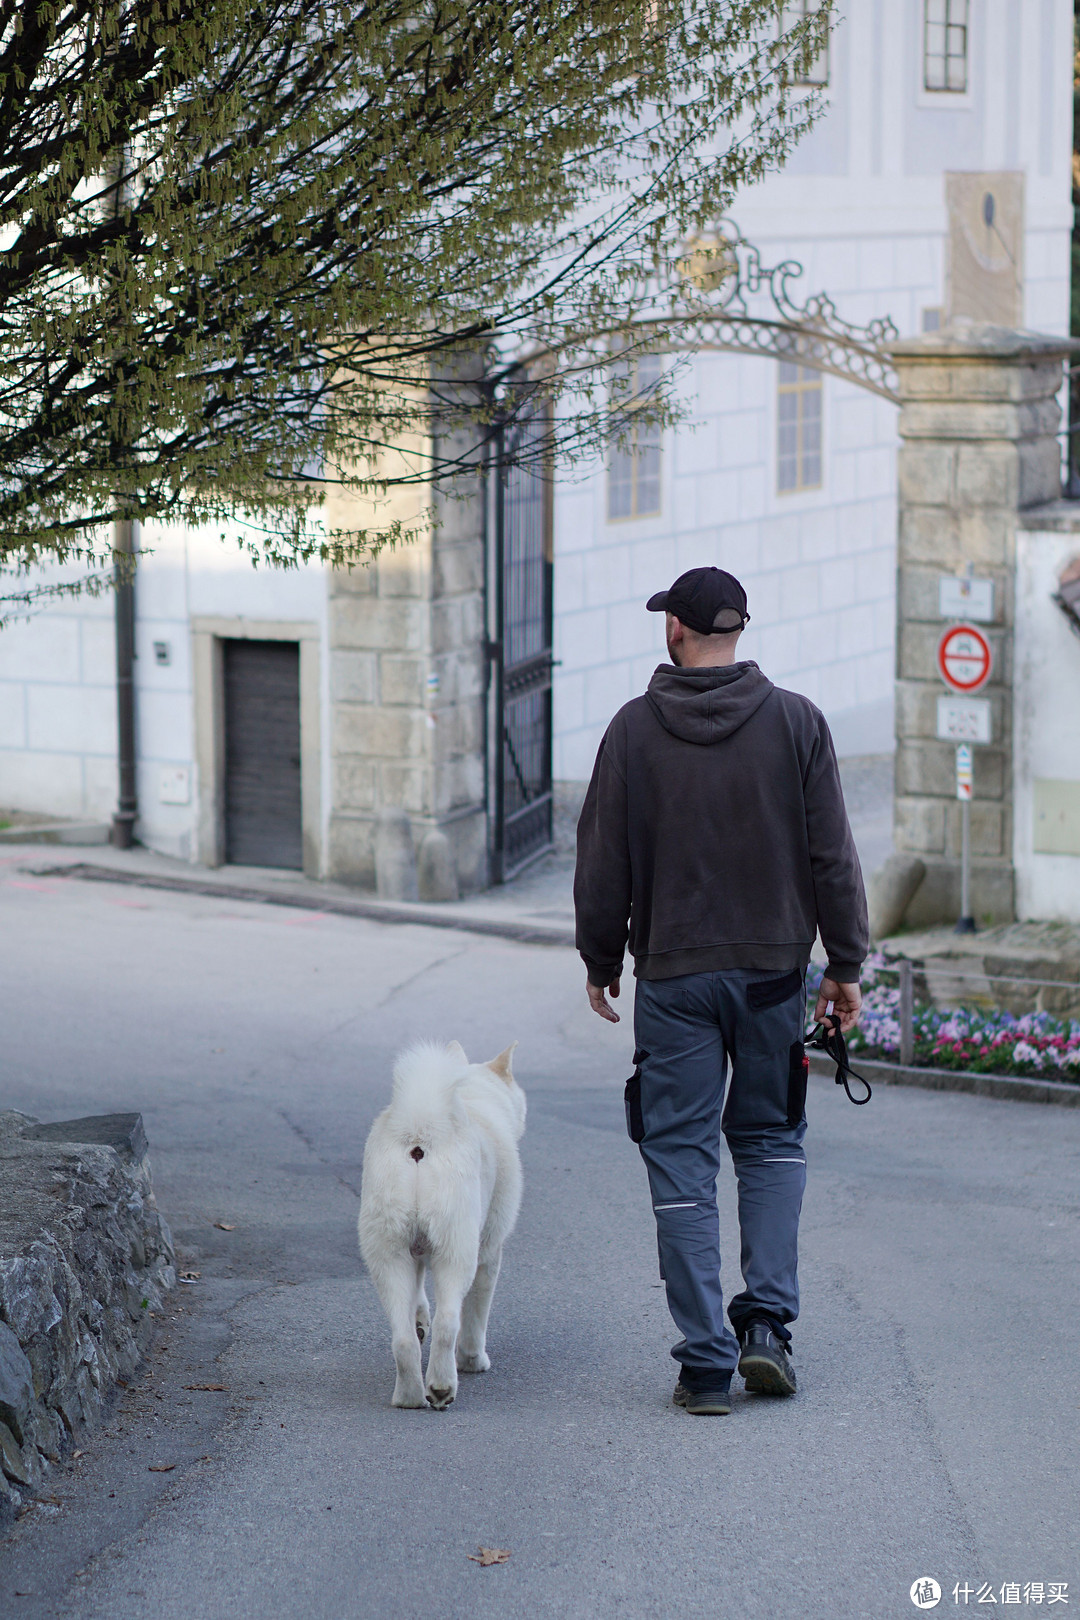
column 127, row 809
column 123, row 826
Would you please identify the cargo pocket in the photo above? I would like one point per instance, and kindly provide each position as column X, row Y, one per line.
column 798, row 1070
column 635, row 1124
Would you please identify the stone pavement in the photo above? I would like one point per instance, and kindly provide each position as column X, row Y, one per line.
column 935, row 1432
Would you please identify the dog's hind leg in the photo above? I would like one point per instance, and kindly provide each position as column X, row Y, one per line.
column 395, row 1278
column 472, row 1356
column 451, row 1279
column 423, row 1310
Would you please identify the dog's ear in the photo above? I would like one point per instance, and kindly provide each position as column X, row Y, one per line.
column 501, row 1065
column 456, row 1050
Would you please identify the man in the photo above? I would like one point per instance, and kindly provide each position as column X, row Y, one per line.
column 714, row 837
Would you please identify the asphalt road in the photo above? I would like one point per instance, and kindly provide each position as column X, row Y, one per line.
column 937, row 1427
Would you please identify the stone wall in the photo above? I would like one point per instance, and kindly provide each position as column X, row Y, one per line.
column 85, row 1260
column 407, row 704
column 978, row 425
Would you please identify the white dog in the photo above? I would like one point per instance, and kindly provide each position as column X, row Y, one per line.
column 441, row 1192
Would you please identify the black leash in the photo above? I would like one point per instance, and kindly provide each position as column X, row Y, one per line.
column 829, row 1038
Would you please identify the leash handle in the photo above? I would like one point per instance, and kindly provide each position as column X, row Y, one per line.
column 828, row 1037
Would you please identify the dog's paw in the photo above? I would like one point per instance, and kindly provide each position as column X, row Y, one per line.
column 473, row 1363
column 410, row 1396
column 423, row 1323
column 440, row 1399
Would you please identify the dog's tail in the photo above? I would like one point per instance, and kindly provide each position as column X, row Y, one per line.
column 425, row 1105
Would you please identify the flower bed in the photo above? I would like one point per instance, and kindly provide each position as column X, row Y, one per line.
column 1036, row 1046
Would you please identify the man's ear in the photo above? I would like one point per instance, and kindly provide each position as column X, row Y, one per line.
column 456, row 1050
column 501, row 1065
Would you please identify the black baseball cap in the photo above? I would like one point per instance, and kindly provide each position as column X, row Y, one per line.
column 708, row 600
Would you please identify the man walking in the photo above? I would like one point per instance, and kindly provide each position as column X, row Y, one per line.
column 714, row 839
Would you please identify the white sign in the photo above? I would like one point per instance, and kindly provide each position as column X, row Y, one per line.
column 963, row 772
column 963, row 719
column 174, row 785
column 961, row 598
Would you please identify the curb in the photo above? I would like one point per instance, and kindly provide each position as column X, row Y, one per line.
column 386, row 911
column 73, row 833
column 1010, row 1087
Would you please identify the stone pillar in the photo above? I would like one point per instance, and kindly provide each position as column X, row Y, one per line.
column 407, row 703
column 979, row 418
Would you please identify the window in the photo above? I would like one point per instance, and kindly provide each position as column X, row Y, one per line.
column 798, row 437
column 634, row 457
column 945, row 45
column 790, row 15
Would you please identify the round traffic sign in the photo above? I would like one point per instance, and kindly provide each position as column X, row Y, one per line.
column 963, row 658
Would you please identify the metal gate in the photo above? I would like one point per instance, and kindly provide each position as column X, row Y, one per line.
column 522, row 646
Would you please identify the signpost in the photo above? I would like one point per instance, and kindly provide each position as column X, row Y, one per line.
column 963, row 719
column 962, row 597
column 964, row 662
column 964, row 658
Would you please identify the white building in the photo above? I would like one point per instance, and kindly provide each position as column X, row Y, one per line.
column 784, row 476
column 867, row 207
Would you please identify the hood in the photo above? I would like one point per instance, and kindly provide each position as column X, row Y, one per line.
column 706, row 705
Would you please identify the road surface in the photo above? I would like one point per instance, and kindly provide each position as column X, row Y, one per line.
column 937, row 1427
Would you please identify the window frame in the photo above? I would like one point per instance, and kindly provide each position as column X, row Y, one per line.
column 793, row 11
column 948, row 26
column 632, row 435
column 809, row 380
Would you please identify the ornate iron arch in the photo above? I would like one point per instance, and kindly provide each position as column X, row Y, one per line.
column 721, row 296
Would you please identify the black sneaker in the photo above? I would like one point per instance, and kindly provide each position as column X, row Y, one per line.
column 765, row 1362
column 703, row 1402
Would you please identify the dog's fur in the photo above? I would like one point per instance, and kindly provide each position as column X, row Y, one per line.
column 441, row 1192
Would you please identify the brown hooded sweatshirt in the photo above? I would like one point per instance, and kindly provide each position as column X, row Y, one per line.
column 714, row 834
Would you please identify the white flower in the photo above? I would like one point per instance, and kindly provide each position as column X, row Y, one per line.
column 1023, row 1052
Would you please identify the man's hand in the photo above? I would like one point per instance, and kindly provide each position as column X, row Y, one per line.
column 846, row 1000
column 598, row 1001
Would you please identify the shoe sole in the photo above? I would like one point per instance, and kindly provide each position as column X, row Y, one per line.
column 764, row 1377
column 711, row 1406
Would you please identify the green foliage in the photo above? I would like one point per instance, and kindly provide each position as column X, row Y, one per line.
column 247, row 245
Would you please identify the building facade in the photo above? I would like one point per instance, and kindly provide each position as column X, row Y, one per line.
column 788, row 477
column 936, row 187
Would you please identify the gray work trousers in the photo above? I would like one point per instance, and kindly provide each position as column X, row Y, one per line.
column 685, row 1030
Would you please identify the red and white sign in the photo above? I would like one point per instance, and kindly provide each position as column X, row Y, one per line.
column 963, row 658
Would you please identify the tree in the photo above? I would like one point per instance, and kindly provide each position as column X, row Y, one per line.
column 246, row 243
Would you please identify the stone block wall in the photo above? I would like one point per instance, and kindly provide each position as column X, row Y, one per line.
column 85, row 1262
column 978, row 425
column 407, row 694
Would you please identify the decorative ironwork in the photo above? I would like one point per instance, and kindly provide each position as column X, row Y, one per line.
column 523, row 646
column 720, row 295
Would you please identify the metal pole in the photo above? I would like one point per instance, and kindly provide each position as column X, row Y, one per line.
column 907, row 1013
column 127, row 810
column 966, row 924
column 498, row 873
column 964, row 790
